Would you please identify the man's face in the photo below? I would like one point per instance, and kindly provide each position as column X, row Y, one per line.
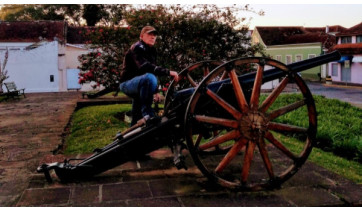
column 149, row 38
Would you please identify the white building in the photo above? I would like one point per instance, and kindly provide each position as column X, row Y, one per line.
column 40, row 60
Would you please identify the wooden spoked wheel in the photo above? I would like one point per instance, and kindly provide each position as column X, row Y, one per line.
column 251, row 124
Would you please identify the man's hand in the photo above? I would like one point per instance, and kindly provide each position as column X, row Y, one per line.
column 156, row 97
column 175, row 76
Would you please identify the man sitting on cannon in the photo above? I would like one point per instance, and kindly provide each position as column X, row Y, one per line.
column 138, row 77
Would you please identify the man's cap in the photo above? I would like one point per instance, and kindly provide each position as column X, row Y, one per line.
column 148, row 29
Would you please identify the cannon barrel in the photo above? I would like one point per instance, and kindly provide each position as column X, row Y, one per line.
column 275, row 73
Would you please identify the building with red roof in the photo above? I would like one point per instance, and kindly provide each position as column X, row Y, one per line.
column 295, row 43
column 348, row 70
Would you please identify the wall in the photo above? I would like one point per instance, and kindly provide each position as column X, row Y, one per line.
column 31, row 69
column 13, row 45
column 72, row 53
column 62, row 70
column 356, row 72
column 256, row 38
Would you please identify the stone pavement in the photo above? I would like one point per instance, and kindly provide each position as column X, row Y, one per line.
column 31, row 128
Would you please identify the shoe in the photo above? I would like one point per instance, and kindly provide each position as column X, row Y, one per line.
column 143, row 121
column 153, row 121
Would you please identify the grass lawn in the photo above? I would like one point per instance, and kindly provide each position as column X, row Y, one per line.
column 94, row 127
column 2, row 98
column 349, row 169
column 339, row 131
column 339, row 124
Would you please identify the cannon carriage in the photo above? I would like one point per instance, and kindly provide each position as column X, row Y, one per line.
column 221, row 116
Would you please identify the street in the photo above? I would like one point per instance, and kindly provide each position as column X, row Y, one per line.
column 348, row 94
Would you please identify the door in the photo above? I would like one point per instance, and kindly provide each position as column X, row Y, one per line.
column 72, row 79
column 346, row 74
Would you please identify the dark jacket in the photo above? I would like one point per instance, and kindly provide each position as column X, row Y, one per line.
column 141, row 59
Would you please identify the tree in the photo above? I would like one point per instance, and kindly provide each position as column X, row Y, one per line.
column 75, row 14
column 29, row 12
column 187, row 35
column 92, row 13
column 3, row 72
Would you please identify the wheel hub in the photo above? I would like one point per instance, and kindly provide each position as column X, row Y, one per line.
column 253, row 125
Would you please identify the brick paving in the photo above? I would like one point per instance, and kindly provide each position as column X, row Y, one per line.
column 31, row 128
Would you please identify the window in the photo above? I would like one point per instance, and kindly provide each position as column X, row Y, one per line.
column 335, row 69
column 298, row 58
column 359, row 39
column 278, row 57
column 51, row 78
column 346, row 39
column 311, row 56
column 288, row 59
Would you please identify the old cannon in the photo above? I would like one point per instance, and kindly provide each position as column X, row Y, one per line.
column 223, row 116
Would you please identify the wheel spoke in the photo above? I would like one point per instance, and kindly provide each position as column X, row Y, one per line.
column 198, row 140
column 254, row 100
column 217, row 121
column 206, row 71
column 273, row 96
column 238, row 91
column 231, row 155
column 193, row 67
column 192, row 82
column 234, row 134
column 224, row 75
column 264, row 155
column 247, row 161
column 280, row 146
column 286, row 128
column 235, row 113
column 281, row 111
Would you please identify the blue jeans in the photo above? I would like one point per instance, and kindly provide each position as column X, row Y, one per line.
column 141, row 90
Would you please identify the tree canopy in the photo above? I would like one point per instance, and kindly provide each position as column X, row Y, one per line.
column 74, row 14
column 187, row 34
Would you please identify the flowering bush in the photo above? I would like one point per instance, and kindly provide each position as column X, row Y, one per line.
column 186, row 35
column 101, row 67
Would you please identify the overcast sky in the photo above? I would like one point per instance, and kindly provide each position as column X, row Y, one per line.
column 308, row 15
column 313, row 13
